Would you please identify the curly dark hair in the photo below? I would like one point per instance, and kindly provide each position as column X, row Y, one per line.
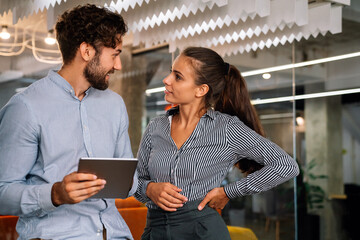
column 91, row 24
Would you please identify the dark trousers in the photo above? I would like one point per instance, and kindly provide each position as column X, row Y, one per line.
column 186, row 223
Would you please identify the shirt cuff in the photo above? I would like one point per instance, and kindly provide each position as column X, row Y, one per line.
column 45, row 201
column 233, row 190
column 144, row 187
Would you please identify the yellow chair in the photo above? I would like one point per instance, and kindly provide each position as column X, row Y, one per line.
column 240, row 233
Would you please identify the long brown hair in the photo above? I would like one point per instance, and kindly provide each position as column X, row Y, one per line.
column 227, row 92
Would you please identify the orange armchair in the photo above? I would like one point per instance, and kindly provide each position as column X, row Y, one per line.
column 8, row 227
column 134, row 214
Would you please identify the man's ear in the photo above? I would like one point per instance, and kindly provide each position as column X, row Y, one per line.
column 87, row 51
column 202, row 90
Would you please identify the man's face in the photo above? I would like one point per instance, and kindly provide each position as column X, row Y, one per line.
column 105, row 62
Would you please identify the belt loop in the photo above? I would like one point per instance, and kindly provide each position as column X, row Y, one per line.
column 167, row 218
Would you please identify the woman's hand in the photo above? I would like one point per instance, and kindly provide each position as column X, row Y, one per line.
column 165, row 195
column 216, row 198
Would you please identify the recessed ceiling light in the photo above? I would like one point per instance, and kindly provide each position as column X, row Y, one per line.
column 50, row 40
column 266, row 75
column 4, row 34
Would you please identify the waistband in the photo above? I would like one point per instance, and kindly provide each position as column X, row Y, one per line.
column 189, row 212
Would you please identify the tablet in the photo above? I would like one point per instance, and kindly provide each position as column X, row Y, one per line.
column 118, row 173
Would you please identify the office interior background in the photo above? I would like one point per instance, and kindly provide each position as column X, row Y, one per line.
column 300, row 59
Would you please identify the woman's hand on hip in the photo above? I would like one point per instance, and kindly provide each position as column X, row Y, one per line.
column 166, row 195
column 216, row 199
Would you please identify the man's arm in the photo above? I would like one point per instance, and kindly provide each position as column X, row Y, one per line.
column 19, row 149
column 18, row 153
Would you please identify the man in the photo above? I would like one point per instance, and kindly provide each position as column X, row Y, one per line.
column 67, row 115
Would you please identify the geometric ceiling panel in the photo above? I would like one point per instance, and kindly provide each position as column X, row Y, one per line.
column 323, row 18
column 229, row 27
column 206, row 19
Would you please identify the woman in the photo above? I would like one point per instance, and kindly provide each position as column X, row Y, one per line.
column 185, row 155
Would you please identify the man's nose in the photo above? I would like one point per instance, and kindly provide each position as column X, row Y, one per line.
column 117, row 64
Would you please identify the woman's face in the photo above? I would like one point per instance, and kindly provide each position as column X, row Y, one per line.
column 180, row 83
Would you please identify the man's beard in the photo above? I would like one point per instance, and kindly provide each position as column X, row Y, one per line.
column 95, row 74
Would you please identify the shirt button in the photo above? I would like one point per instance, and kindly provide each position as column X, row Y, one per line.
column 98, row 230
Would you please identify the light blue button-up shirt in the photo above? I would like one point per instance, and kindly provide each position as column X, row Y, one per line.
column 44, row 130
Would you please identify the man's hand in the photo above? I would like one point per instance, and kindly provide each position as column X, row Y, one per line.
column 216, row 198
column 75, row 188
column 166, row 196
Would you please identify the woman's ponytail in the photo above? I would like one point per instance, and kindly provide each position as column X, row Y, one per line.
column 235, row 101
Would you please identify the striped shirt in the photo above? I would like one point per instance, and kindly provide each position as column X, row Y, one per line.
column 203, row 161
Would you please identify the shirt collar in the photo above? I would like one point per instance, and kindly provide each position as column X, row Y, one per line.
column 54, row 76
column 209, row 113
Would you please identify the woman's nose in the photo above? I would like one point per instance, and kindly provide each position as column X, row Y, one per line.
column 167, row 80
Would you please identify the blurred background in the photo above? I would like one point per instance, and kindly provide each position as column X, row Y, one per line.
column 300, row 59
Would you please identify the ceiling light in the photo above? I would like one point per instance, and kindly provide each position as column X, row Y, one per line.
column 155, row 90
column 300, row 64
column 305, row 96
column 4, row 34
column 281, row 68
column 266, row 76
column 50, row 40
column 300, row 121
